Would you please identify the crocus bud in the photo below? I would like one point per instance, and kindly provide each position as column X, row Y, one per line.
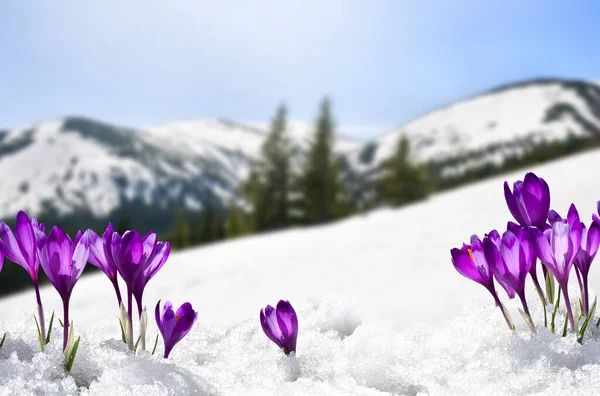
column 281, row 325
column 174, row 325
column 529, row 201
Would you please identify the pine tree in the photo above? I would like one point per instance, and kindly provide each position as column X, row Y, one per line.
column 268, row 187
column 319, row 183
column 274, row 172
column 402, row 182
column 237, row 223
column 208, row 224
column 124, row 224
column 181, row 234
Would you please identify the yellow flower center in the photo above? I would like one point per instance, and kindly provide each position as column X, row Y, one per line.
column 471, row 255
column 177, row 318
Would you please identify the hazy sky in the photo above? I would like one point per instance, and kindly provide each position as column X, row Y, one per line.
column 382, row 62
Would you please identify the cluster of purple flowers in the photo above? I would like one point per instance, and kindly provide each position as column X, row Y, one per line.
column 135, row 258
column 559, row 243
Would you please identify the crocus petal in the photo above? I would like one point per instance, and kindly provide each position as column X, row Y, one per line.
column 268, row 321
column 10, row 246
column 496, row 263
column 572, row 215
column 465, row 266
column 286, row 319
column 80, row 256
column 494, row 236
column 535, row 211
column 543, row 248
column 26, row 239
column 553, row 217
column 593, row 239
column 513, row 206
column 509, row 250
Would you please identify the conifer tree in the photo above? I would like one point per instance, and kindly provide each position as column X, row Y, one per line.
column 401, row 182
column 274, row 169
column 320, row 183
column 181, row 233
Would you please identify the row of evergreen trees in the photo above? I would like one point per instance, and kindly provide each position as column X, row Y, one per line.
column 290, row 187
column 279, row 197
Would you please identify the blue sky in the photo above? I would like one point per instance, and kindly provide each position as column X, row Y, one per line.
column 382, row 62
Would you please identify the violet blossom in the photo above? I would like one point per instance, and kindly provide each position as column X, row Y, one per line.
column 174, row 326
column 529, row 200
column 557, row 248
column 511, row 262
column 280, row 325
column 126, row 253
column 154, row 257
column 99, row 259
column 63, row 262
column 21, row 248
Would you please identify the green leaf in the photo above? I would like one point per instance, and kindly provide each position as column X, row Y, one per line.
column 136, row 344
column 42, row 344
column 564, row 334
column 528, row 320
column 123, row 338
column 61, row 323
column 550, row 286
column 556, row 305
column 587, row 321
column 50, row 328
column 545, row 315
column 73, row 354
column 155, row 344
column 2, row 342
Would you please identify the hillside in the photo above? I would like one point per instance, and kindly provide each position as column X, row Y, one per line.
column 489, row 128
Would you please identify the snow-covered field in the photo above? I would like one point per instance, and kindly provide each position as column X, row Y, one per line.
column 381, row 311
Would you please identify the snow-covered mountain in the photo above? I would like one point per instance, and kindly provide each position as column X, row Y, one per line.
column 78, row 165
column 487, row 128
column 97, row 170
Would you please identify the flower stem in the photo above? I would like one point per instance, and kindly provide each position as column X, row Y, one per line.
column 586, row 299
column 40, row 311
column 116, row 286
column 139, row 306
column 65, row 322
column 539, row 290
column 568, row 304
column 130, row 316
column 524, row 302
column 502, row 309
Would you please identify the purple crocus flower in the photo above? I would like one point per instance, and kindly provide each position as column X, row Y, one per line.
column 174, row 325
column 529, row 201
column 511, row 262
column 471, row 263
column 21, row 248
column 126, row 254
column 63, row 262
column 98, row 258
column 281, row 325
column 154, row 257
column 557, row 248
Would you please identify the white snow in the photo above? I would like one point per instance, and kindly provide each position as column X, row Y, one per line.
column 381, row 312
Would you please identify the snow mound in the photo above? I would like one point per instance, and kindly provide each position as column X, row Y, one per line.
column 473, row 354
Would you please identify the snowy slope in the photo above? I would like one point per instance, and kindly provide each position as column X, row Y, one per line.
column 506, row 120
column 381, row 311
